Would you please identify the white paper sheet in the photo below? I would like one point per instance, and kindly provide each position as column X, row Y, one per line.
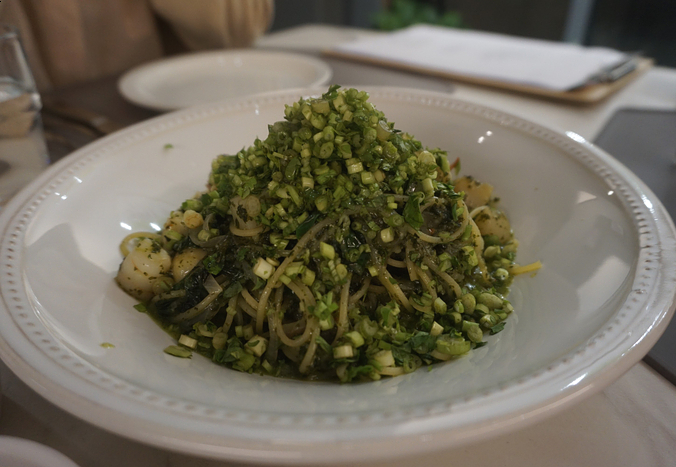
column 531, row 62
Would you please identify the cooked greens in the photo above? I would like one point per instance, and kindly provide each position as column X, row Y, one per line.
column 338, row 247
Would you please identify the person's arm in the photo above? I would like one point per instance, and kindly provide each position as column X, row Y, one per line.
column 212, row 24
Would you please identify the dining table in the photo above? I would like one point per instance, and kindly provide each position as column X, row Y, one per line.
column 631, row 422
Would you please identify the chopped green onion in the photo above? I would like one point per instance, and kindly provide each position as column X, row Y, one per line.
column 326, row 150
column 468, row 302
column 473, row 331
column 344, row 351
column 245, row 362
column 472, row 259
column 354, row 166
column 384, row 357
column 247, row 332
column 440, row 306
column 326, row 324
column 428, row 186
column 467, row 233
column 501, row 274
column 285, row 279
column 497, row 328
column 387, row 235
column 326, row 250
column 257, row 345
column 456, row 317
column 187, row 341
column 367, row 178
column 488, row 321
column 308, row 277
column 194, row 204
column 219, row 340
column 177, row 351
column 341, row 270
column 355, row 338
column 322, row 203
column 454, row 346
column 263, row 269
column 481, row 309
column 318, row 121
column 490, row 300
column 491, row 251
column 321, row 106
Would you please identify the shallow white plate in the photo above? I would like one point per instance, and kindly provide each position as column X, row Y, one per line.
column 18, row 452
column 603, row 297
column 199, row 78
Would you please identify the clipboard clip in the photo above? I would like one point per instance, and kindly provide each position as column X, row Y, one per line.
column 612, row 73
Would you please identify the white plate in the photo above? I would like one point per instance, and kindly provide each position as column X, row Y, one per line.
column 18, row 452
column 603, row 297
column 199, row 78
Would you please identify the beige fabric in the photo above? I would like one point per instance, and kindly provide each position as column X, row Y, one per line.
column 71, row 41
column 215, row 24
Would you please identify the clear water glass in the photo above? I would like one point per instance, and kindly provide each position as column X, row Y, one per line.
column 23, row 152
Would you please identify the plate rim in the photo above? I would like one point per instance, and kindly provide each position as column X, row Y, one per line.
column 27, row 450
column 127, row 88
column 291, row 453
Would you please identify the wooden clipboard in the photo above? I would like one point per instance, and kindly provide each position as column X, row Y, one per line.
column 586, row 95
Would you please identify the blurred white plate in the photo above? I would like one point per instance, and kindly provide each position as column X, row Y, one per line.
column 603, row 297
column 18, row 452
column 199, row 78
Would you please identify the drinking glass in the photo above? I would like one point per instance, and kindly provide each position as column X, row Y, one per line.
column 23, row 152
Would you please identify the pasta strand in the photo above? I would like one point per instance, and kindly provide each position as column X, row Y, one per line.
column 342, row 309
column 305, row 239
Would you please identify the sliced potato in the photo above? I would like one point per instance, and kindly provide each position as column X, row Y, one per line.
column 476, row 193
column 490, row 221
column 185, row 261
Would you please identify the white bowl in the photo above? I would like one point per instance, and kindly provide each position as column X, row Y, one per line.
column 19, row 452
column 203, row 77
column 603, row 297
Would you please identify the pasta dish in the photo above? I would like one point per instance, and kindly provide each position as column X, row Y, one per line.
column 337, row 248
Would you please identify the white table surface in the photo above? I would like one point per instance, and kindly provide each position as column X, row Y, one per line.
column 630, row 423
